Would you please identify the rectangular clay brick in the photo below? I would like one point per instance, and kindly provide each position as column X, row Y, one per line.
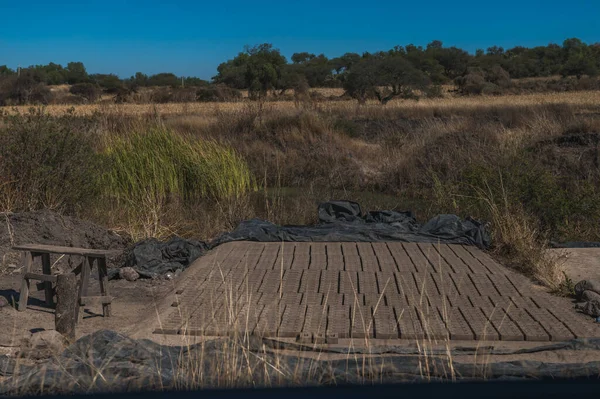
column 367, row 283
column 480, row 325
column 285, row 257
column 555, row 328
column 386, row 282
column 403, row 261
column 385, row 323
column 532, row 330
column 582, row 326
column 292, row 298
column 292, row 321
column 431, row 322
column 457, row 265
column 269, row 321
column 361, row 322
column 352, row 260
column 384, row 256
column 367, row 256
column 312, row 298
column 436, row 260
column 310, row 281
column 457, row 326
column 315, row 320
column 373, row 299
column 331, row 338
column 409, row 323
column 333, row 299
column 348, row 282
column 502, row 323
column 329, row 281
column 335, row 258
column 318, row 256
column 291, row 281
column 419, row 260
column 473, row 264
column 301, row 257
column 338, row 320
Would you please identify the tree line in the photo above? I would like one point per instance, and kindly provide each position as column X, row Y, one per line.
column 400, row 71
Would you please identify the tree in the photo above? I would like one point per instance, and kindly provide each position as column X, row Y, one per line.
column 6, row 71
column 76, row 73
column 578, row 59
column 299, row 58
column 384, row 78
column 164, row 79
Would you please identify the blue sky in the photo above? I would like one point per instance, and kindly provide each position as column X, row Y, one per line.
column 192, row 37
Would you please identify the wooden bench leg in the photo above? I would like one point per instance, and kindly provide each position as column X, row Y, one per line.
column 47, row 269
column 24, row 294
column 103, row 277
column 83, row 288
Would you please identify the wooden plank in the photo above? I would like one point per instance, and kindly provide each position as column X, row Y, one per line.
column 53, row 249
column 103, row 277
column 40, row 277
column 85, row 278
column 66, row 303
column 46, row 267
column 24, row 293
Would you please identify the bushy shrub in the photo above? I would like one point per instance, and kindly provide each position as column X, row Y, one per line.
column 91, row 92
column 46, row 162
column 217, row 93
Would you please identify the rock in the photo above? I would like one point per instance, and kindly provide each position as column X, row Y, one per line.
column 587, row 285
column 128, row 273
column 43, row 344
column 3, row 302
column 590, row 296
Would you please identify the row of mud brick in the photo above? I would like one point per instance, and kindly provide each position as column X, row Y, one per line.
column 395, row 320
column 373, row 257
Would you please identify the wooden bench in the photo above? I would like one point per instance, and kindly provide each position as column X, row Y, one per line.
column 31, row 251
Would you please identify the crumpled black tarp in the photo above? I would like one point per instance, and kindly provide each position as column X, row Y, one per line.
column 339, row 221
column 152, row 258
column 106, row 361
column 588, row 294
column 343, row 221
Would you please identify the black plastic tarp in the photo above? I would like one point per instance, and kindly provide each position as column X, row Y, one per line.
column 339, row 221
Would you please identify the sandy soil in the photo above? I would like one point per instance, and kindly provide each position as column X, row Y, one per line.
column 580, row 263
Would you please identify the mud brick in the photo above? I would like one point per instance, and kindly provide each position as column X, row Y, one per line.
column 318, row 257
column 485, row 259
column 332, row 338
column 554, row 327
column 532, row 330
column 315, row 320
column 251, row 257
column 522, row 302
column 403, row 261
column 253, row 280
column 385, row 323
column 348, row 282
column 501, row 301
column 479, row 323
column 484, row 285
column 248, row 318
column 409, row 323
column 333, row 299
column 301, row 257
column 368, row 257
column 269, row 321
column 367, row 283
column 361, row 321
column 438, row 300
column 581, row 326
column 351, row 257
column 319, row 338
column 291, row 281
column 310, row 281
column 445, row 284
column 433, row 325
column 305, row 338
column 456, row 324
column 460, row 300
column 220, row 254
column 475, row 266
column 329, row 281
column 385, row 258
column 436, row 260
column 373, row 299
column 406, row 284
column 521, row 283
column 271, row 282
column 503, row 285
column 335, row 258
column 312, row 298
column 421, row 263
column 484, row 301
column 464, row 284
column 417, row 299
column 426, row 284
column 354, row 299
column 502, row 323
column 292, row 320
column 270, row 299
column 285, row 257
column 291, row 298
column 269, row 256
column 338, row 321
column 456, row 263
column 386, row 282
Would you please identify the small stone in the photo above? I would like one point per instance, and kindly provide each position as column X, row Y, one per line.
column 128, row 273
column 3, row 302
column 169, row 276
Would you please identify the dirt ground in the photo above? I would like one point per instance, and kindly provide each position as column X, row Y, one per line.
column 580, row 263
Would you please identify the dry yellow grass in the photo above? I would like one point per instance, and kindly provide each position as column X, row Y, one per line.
column 581, row 98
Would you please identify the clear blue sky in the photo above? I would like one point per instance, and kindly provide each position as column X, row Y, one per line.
column 192, row 37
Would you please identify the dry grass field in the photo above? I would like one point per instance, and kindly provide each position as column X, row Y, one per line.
column 581, row 98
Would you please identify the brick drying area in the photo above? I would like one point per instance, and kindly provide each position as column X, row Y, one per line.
column 324, row 292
